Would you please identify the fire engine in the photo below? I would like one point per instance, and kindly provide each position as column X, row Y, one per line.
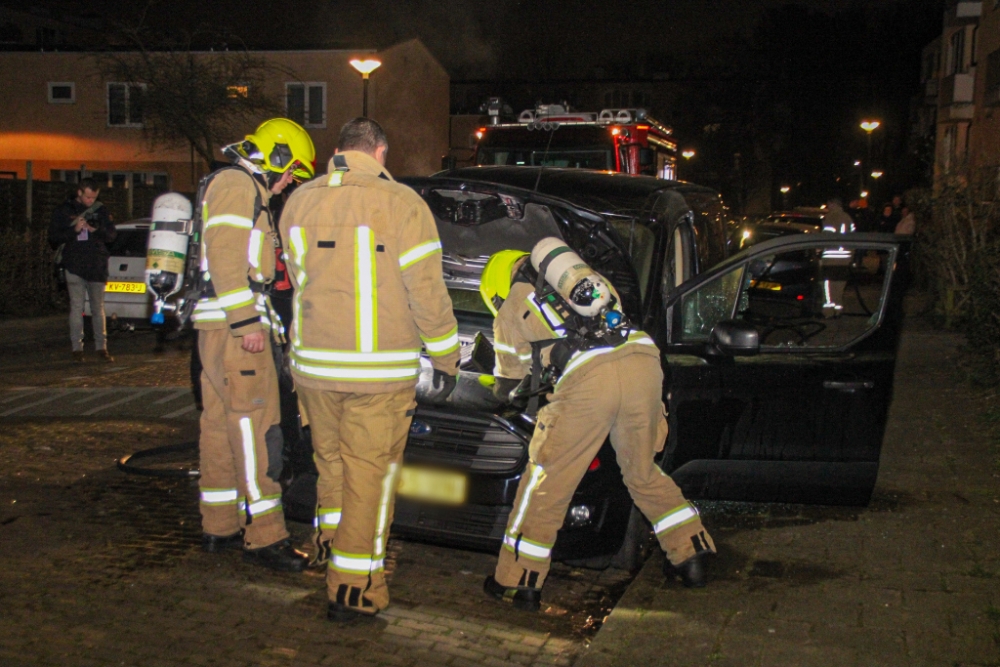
column 623, row 140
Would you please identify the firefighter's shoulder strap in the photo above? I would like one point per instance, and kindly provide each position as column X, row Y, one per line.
column 340, row 168
column 195, row 284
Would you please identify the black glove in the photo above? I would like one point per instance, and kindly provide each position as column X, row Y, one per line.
column 441, row 387
column 502, row 388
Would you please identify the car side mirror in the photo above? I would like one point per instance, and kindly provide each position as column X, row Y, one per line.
column 734, row 338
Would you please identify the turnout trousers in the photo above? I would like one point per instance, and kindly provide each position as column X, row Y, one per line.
column 620, row 396
column 240, row 445
column 358, row 441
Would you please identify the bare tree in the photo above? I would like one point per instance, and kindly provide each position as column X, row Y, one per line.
column 202, row 99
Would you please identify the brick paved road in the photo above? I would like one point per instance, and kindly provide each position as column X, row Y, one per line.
column 100, row 568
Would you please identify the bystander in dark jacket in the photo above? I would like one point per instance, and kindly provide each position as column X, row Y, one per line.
column 83, row 228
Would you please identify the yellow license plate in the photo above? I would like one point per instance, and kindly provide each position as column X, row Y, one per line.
column 130, row 288
column 437, row 486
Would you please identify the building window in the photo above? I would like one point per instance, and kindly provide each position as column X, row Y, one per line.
column 992, row 93
column 956, row 52
column 237, row 91
column 305, row 103
column 62, row 93
column 125, row 104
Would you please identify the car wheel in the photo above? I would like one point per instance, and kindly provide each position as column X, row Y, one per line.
column 636, row 545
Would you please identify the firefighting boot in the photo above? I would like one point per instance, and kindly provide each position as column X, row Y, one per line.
column 521, row 597
column 350, row 605
column 214, row 544
column 693, row 572
column 279, row 556
column 323, row 554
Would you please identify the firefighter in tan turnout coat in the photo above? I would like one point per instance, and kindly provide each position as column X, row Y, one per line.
column 365, row 258
column 602, row 389
column 241, row 440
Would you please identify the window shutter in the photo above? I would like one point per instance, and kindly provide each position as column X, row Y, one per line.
column 116, row 104
column 136, row 95
column 316, row 102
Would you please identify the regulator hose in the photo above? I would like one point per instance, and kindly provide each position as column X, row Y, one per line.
column 127, row 463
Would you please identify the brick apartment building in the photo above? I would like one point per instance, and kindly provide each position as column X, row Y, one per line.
column 61, row 114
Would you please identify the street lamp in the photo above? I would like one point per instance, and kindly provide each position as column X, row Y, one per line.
column 868, row 126
column 876, row 174
column 366, row 67
column 785, row 189
column 687, row 154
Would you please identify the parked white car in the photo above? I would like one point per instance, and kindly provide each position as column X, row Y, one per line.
column 126, row 298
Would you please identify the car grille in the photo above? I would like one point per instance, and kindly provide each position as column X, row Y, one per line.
column 475, row 443
column 473, row 521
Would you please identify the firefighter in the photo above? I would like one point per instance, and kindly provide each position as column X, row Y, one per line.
column 365, row 259
column 607, row 380
column 241, row 441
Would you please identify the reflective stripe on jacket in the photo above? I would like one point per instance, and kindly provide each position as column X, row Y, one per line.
column 364, row 256
column 522, row 320
column 235, row 249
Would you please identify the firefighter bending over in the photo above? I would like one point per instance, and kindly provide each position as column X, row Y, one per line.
column 241, row 438
column 604, row 377
column 365, row 258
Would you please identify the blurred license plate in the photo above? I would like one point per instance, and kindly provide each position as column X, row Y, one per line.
column 437, row 486
column 130, row 288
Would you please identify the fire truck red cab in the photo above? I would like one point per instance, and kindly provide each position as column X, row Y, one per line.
column 623, row 140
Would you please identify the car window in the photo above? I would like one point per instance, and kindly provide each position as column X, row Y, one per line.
column 708, row 305
column 129, row 243
column 820, row 297
column 642, row 241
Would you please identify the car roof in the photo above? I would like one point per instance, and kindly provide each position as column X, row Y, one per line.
column 599, row 191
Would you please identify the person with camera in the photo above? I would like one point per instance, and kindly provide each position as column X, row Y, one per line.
column 80, row 230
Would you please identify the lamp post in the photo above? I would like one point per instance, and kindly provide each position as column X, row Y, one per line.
column 785, row 189
column 868, row 126
column 366, row 67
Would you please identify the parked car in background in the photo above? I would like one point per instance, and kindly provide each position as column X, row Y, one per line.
column 765, row 403
column 125, row 298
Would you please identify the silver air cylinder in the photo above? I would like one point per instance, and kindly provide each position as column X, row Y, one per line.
column 584, row 290
column 166, row 254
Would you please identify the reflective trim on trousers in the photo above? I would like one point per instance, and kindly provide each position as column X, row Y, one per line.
column 229, row 220
column 686, row 513
column 351, row 563
column 327, row 518
column 359, row 374
column 442, row 345
column 388, row 485
column 536, row 477
column 219, row 496
column 250, row 459
column 265, row 506
column 417, row 253
column 365, row 291
column 527, row 548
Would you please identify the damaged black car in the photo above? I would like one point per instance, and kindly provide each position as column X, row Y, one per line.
column 777, row 382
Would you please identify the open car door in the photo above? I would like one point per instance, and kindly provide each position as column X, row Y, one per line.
column 779, row 367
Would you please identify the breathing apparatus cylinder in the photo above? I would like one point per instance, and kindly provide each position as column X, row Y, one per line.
column 166, row 254
column 584, row 290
